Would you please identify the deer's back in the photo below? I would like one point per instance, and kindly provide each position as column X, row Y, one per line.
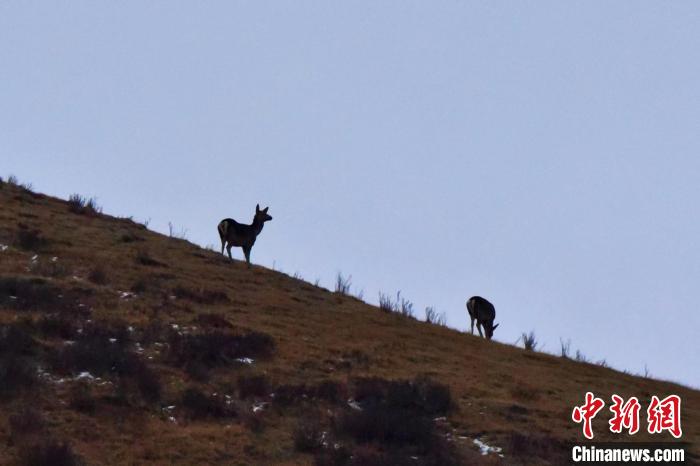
column 481, row 309
column 236, row 233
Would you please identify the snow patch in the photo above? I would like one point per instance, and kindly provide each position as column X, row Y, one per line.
column 245, row 360
column 486, row 449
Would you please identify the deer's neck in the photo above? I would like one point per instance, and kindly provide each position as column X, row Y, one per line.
column 257, row 226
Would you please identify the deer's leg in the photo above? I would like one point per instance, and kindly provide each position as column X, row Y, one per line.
column 478, row 327
column 246, row 251
column 223, row 243
column 472, row 326
column 228, row 249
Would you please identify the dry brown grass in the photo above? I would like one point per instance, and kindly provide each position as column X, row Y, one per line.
column 501, row 394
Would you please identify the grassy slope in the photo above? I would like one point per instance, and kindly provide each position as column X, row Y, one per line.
column 499, row 389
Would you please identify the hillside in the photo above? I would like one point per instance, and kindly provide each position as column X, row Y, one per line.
column 137, row 348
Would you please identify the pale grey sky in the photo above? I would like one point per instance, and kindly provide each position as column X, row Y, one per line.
column 541, row 154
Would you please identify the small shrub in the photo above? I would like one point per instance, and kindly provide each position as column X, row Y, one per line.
column 529, row 341
column 253, row 386
column 143, row 257
column 401, row 306
column 98, row 275
column 565, row 348
column 81, row 398
column 308, row 435
column 79, row 204
column 182, row 234
column 30, row 240
column 434, row 317
column 149, row 283
column 342, row 284
column 202, row 406
column 201, row 295
column 50, row 452
column 580, row 357
column 12, row 180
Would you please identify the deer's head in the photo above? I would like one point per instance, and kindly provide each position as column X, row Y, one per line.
column 261, row 215
column 489, row 329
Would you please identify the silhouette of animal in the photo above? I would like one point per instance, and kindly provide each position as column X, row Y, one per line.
column 240, row 235
column 483, row 312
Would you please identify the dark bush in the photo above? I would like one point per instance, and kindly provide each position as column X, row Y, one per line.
column 253, row 386
column 421, row 394
column 201, row 295
column 102, row 350
column 79, row 204
column 57, row 326
column 98, row 275
column 213, row 320
column 81, row 398
column 326, row 390
column 50, row 452
column 387, row 426
column 30, row 294
column 30, row 240
column 27, row 420
column 308, row 435
column 202, row 406
column 217, row 348
column 18, row 367
column 143, row 257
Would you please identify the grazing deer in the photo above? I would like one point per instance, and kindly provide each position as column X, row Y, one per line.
column 483, row 313
column 240, row 235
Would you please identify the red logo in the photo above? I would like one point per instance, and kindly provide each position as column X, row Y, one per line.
column 665, row 415
column 587, row 412
column 661, row 415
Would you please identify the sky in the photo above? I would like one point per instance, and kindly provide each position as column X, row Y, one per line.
column 544, row 155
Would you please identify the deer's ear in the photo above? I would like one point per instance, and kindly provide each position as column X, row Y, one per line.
column 257, row 207
column 265, row 209
column 494, row 327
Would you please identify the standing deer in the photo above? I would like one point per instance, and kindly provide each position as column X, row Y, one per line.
column 240, row 235
column 483, row 312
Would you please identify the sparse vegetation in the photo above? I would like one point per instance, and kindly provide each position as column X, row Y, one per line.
column 217, row 348
column 308, row 435
column 81, row 398
column 177, row 234
column 253, row 386
column 580, row 357
column 342, row 284
column 102, row 350
column 143, row 257
column 400, row 306
column 50, row 452
column 434, row 317
column 82, row 205
column 529, row 341
column 18, row 362
column 98, row 275
column 200, row 295
column 565, row 348
column 30, row 240
column 202, row 406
